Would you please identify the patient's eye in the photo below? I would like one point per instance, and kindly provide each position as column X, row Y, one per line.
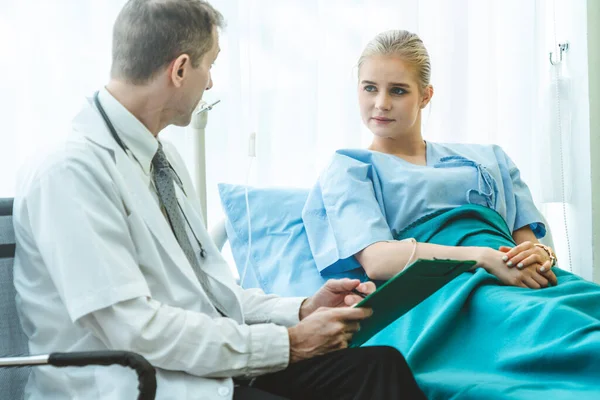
column 397, row 90
column 370, row 88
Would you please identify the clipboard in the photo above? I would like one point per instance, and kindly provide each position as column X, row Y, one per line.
column 404, row 291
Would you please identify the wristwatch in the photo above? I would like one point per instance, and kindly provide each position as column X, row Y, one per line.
column 549, row 251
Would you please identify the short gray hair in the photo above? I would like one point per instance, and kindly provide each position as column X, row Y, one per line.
column 149, row 34
column 404, row 44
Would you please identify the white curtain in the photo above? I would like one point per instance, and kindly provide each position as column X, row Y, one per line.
column 53, row 54
column 287, row 72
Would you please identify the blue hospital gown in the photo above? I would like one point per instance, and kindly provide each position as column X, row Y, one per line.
column 365, row 196
column 473, row 339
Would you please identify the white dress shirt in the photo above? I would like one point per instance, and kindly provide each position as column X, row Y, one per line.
column 97, row 267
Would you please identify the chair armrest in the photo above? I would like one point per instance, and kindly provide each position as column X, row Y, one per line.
column 145, row 371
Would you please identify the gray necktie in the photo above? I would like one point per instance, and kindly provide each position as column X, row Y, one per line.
column 164, row 179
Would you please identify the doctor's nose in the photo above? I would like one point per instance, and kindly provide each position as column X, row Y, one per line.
column 210, row 83
column 383, row 102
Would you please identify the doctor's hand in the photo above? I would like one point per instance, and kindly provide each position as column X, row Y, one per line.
column 336, row 293
column 492, row 261
column 324, row 331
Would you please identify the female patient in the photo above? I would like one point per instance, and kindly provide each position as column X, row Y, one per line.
column 514, row 328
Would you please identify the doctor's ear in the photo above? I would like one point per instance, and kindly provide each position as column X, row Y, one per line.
column 179, row 69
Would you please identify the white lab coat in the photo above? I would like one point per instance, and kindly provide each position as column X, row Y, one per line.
column 92, row 242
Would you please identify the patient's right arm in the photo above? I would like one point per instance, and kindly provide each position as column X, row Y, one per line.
column 382, row 260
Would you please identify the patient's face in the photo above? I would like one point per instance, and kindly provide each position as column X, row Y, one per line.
column 389, row 97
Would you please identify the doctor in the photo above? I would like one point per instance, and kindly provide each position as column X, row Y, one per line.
column 112, row 252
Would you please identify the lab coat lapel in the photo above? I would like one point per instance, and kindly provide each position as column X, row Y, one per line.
column 145, row 205
column 91, row 125
column 214, row 270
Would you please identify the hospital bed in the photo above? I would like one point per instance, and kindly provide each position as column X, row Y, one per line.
column 281, row 263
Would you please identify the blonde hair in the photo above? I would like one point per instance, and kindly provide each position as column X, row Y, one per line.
column 404, row 44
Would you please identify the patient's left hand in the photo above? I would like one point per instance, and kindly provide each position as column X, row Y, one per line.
column 336, row 293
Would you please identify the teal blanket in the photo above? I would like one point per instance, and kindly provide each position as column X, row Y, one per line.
column 476, row 339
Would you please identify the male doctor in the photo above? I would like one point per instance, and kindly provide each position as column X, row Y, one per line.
column 112, row 252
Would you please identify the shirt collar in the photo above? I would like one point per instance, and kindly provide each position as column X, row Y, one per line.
column 132, row 132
